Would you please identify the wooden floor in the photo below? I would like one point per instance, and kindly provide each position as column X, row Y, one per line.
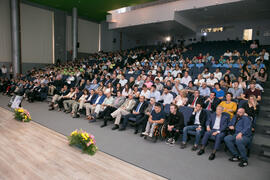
column 31, row 151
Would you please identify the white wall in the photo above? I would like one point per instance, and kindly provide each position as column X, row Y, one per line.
column 36, row 35
column 5, row 35
column 236, row 31
column 88, row 35
column 159, row 13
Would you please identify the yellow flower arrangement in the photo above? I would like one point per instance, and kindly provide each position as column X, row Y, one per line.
column 22, row 115
column 83, row 140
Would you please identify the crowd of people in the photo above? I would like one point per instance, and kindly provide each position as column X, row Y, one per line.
column 150, row 88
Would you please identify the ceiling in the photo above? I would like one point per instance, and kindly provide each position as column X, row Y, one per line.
column 94, row 10
column 246, row 10
column 154, row 30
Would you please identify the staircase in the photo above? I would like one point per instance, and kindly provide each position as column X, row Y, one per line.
column 261, row 140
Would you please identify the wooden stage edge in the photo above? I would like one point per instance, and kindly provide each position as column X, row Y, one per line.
column 32, row 151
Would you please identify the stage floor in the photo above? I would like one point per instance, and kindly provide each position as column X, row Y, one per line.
column 32, row 151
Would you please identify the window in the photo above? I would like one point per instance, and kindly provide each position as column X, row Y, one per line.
column 215, row 29
column 247, row 34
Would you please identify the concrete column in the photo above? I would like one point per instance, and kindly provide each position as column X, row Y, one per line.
column 15, row 36
column 74, row 32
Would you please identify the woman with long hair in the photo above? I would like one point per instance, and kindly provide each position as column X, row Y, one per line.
column 251, row 106
column 261, row 76
column 126, row 91
column 228, row 81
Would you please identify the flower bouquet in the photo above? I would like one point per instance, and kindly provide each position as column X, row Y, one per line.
column 22, row 115
column 84, row 141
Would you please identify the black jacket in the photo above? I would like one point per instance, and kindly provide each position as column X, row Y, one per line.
column 202, row 118
column 176, row 120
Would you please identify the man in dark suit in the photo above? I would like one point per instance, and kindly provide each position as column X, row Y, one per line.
column 215, row 127
column 195, row 99
column 114, row 80
column 197, row 124
column 137, row 112
column 211, row 102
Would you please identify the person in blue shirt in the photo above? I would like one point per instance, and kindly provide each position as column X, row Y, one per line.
column 239, row 138
column 157, row 117
column 219, row 92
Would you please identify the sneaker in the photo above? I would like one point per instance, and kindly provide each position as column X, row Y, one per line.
column 92, row 120
column 115, row 127
column 183, row 145
column 172, row 142
column 194, row 148
column 150, row 135
column 243, row 163
column 122, row 129
column 168, row 141
column 201, row 151
column 212, row 156
column 145, row 133
column 103, row 125
column 234, row 159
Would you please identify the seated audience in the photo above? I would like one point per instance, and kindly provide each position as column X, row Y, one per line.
column 211, row 102
column 106, row 113
column 124, row 109
column 174, row 123
column 229, row 106
column 215, row 127
column 157, row 117
column 239, row 137
column 194, row 99
column 252, row 90
column 137, row 113
column 197, row 124
column 219, row 92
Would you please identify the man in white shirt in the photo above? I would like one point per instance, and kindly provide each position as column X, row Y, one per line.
column 186, row 79
column 176, row 71
column 218, row 74
column 154, row 93
column 145, row 92
column 199, row 80
column 206, row 73
column 167, row 97
column 211, row 81
column 123, row 81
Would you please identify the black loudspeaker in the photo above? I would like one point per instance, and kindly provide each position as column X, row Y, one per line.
column 78, row 45
column 114, row 40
